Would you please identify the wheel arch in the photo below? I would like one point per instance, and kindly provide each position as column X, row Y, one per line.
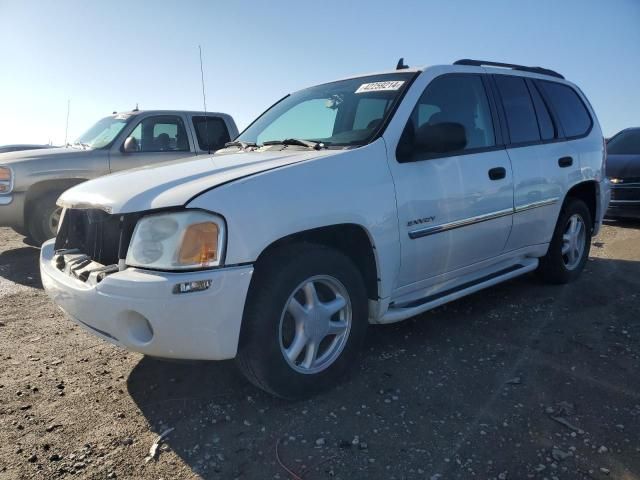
column 353, row 240
column 37, row 190
column 587, row 192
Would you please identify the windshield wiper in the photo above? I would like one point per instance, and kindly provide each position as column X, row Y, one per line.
column 297, row 141
column 240, row 144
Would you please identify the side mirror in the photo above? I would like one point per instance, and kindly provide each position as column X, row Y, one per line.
column 428, row 140
column 131, row 145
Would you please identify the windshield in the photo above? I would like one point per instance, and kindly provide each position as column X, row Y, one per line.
column 343, row 113
column 625, row 143
column 103, row 132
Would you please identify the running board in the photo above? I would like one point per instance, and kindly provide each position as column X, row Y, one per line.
column 396, row 314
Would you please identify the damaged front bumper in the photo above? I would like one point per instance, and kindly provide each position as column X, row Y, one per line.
column 147, row 311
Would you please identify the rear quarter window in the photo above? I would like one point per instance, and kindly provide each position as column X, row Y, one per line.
column 569, row 108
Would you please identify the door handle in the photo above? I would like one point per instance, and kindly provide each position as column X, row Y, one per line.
column 565, row 162
column 497, row 173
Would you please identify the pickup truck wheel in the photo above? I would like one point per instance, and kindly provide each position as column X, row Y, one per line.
column 19, row 231
column 304, row 322
column 44, row 218
column 569, row 248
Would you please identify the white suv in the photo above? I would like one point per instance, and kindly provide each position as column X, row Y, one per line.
column 365, row 200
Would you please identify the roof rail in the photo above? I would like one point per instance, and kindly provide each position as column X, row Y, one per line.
column 479, row 63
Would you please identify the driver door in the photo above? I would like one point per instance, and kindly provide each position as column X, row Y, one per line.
column 155, row 139
column 455, row 202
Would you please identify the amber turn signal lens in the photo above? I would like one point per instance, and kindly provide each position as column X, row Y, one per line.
column 5, row 174
column 199, row 244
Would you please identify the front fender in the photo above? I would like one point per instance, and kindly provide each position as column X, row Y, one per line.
column 80, row 166
column 351, row 187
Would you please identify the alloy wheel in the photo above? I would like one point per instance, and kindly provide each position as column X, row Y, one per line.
column 315, row 324
column 573, row 241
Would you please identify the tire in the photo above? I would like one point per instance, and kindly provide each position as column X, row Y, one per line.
column 19, row 231
column 269, row 329
column 567, row 255
column 41, row 218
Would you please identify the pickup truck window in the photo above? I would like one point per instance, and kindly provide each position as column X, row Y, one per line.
column 344, row 113
column 102, row 133
column 211, row 132
column 158, row 134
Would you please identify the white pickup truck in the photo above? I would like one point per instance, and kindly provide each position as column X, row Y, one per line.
column 365, row 200
column 32, row 180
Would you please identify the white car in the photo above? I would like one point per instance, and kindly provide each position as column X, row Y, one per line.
column 365, row 200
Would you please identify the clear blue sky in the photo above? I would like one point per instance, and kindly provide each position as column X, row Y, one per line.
column 111, row 55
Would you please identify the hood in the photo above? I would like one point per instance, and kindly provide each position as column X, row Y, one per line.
column 623, row 166
column 175, row 183
column 22, row 156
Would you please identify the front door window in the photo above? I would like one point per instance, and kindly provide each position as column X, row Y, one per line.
column 158, row 134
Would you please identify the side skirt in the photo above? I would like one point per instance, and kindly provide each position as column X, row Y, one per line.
column 416, row 307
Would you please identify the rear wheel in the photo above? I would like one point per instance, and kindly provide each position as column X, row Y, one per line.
column 304, row 323
column 44, row 218
column 570, row 245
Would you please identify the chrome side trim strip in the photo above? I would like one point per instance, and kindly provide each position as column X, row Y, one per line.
column 624, row 202
column 540, row 203
column 423, row 232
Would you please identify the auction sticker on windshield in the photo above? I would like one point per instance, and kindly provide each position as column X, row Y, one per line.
column 380, row 86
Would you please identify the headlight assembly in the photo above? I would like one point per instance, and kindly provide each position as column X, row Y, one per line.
column 6, row 180
column 184, row 240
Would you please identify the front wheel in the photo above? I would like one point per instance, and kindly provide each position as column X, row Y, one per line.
column 569, row 248
column 44, row 218
column 304, row 323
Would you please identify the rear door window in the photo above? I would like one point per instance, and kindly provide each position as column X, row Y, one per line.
column 571, row 111
column 518, row 108
column 211, row 132
column 547, row 129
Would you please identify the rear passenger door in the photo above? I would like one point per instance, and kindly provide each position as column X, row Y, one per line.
column 454, row 206
column 543, row 163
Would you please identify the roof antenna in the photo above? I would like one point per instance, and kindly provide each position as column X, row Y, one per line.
column 66, row 128
column 401, row 65
column 136, row 109
column 204, row 102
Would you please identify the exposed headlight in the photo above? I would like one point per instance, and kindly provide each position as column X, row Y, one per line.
column 177, row 241
column 615, row 181
column 6, row 180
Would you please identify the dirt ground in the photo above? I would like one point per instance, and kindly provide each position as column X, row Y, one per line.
column 524, row 380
